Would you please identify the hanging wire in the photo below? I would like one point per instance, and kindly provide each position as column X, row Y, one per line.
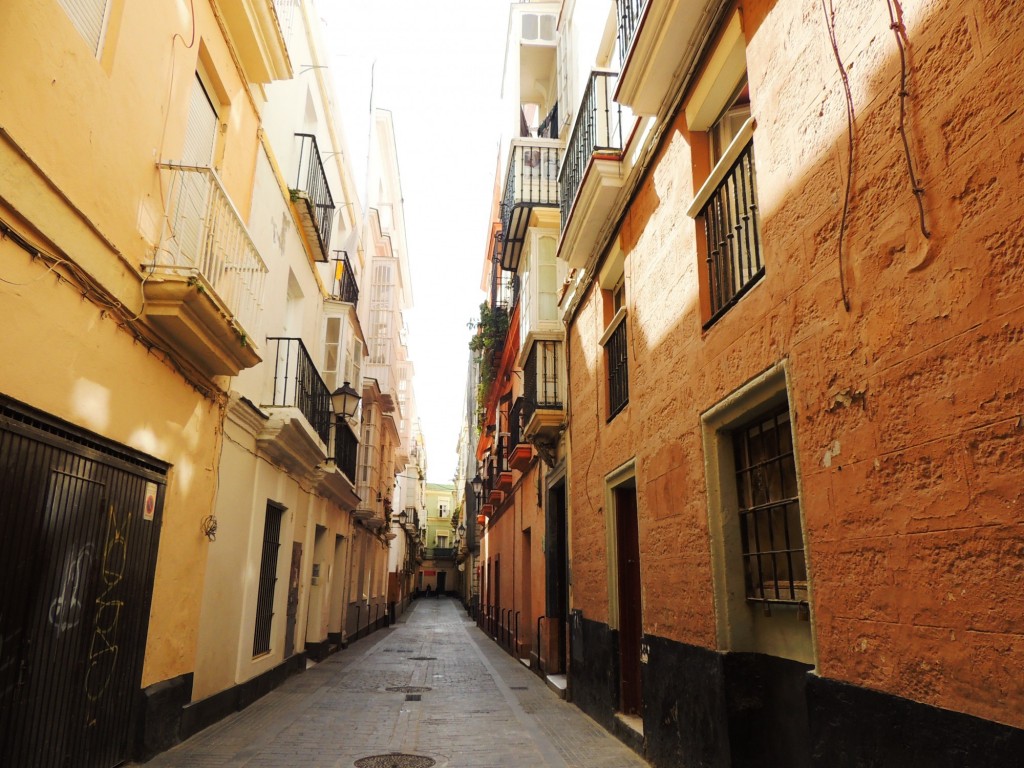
column 830, row 23
column 900, row 32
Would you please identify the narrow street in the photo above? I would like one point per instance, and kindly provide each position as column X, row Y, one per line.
column 477, row 708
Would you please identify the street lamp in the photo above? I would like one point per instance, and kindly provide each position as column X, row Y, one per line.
column 478, row 487
column 345, row 400
column 461, row 530
column 402, row 517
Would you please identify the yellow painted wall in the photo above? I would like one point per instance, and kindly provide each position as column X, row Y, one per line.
column 80, row 137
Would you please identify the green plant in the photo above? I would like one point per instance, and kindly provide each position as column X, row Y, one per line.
column 486, row 343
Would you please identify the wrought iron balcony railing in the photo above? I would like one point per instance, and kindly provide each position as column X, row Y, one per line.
column 515, row 424
column 504, row 283
column 312, row 190
column 598, row 127
column 345, row 286
column 531, row 181
column 439, row 553
column 731, row 235
column 298, row 384
column 542, row 384
column 208, row 239
column 501, row 454
column 629, row 18
column 346, row 448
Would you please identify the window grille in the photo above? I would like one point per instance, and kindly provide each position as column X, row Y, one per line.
column 734, row 261
column 618, row 369
column 268, row 579
column 769, row 510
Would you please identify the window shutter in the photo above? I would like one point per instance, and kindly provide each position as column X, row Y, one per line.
column 89, row 18
column 201, row 130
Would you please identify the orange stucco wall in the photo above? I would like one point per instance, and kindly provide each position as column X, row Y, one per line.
column 914, row 531
column 522, row 573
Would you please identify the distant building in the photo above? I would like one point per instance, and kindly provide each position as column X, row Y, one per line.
column 438, row 537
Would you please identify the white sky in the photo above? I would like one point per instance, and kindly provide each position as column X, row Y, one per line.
column 437, row 68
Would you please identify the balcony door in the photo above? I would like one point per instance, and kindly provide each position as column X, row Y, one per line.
column 190, row 209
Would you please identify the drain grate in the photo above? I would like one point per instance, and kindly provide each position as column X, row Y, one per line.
column 518, row 688
column 423, row 658
column 413, row 697
column 396, row 650
column 408, row 689
column 395, row 760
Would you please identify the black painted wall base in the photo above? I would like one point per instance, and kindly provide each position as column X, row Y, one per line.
column 168, row 718
column 853, row 727
column 594, row 669
column 704, row 709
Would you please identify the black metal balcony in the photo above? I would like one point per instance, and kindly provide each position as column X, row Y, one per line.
column 345, row 286
column 598, row 128
column 531, row 181
column 504, row 283
column 618, row 370
column 733, row 244
column 313, row 194
column 298, row 384
column 515, row 424
column 630, row 12
column 346, row 448
column 542, row 386
column 439, row 553
column 501, row 454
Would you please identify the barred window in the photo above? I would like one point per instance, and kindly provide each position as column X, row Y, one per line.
column 618, row 369
column 769, row 510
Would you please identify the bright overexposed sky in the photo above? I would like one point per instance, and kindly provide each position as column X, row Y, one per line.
column 437, row 67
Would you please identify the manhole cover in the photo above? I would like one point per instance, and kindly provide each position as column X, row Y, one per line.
column 395, row 760
column 408, row 689
column 422, row 658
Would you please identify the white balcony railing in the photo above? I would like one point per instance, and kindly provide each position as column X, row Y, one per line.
column 204, row 237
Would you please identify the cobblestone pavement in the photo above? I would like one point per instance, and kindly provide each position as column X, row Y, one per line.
column 483, row 709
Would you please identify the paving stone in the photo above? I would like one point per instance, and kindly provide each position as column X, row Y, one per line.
column 484, row 709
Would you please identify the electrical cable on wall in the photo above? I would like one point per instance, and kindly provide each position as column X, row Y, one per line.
column 830, row 23
column 900, row 32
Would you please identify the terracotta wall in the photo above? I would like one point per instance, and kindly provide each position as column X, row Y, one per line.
column 907, row 406
column 505, row 541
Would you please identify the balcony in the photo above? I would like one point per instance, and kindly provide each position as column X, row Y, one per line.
column 727, row 208
column 346, row 449
column 531, row 184
column 345, row 287
column 659, row 41
column 503, row 481
column 204, row 290
column 520, row 453
column 439, row 553
column 299, row 429
column 543, row 394
column 592, row 172
column 504, row 283
column 312, row 197
column 255, row 32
